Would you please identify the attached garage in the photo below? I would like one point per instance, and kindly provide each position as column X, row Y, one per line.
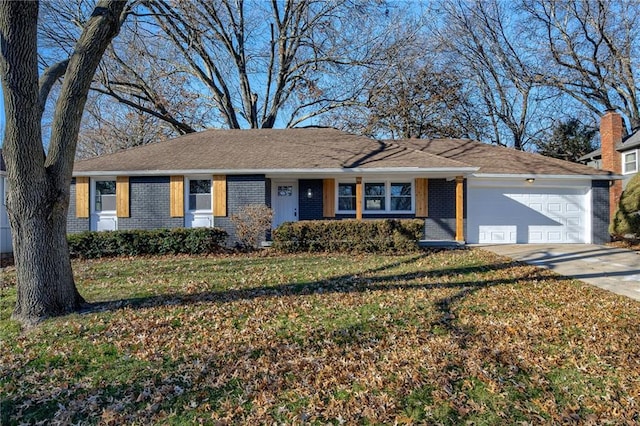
column 528, row 213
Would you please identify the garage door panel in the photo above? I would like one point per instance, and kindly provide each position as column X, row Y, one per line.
column 574, row 222
column 554, row 208
column 499, row 234
column 536, row 236
column 527, row 215
column 573, row 208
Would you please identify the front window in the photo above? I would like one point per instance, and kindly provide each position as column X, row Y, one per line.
column 401, row 196
column 631, row 162
column 377, row 197
column 200, row 194
column 374, row 196
column 347, row 196
column 105, row 196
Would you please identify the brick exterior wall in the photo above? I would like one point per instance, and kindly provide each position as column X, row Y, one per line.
column 310, row 208
column 149, row 204
column 600, row 212
column 74, row 224
column 441, row 223
column 610, row 136
column 241, row 191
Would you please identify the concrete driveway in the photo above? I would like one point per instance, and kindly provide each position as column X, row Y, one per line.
column 613, row 269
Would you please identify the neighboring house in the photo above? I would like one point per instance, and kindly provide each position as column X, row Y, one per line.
column 5, row 229
column 616, row 154
column 464, row 190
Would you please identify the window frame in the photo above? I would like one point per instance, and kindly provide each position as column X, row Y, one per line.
column 625, row 162
column 387, row 195
column 355, row 199
column 187, row 194
column 94, row 194
column 411, row 196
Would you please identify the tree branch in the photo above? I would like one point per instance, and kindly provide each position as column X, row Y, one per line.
column 48, row 79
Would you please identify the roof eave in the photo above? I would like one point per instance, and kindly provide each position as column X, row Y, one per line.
column 546, row 176
column 459, row 171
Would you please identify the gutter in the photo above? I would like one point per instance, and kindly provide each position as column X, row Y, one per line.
column 545, row 177
column 458, row 171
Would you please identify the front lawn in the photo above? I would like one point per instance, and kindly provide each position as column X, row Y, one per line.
column 443, row 338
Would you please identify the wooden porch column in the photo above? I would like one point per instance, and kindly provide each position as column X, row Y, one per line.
column 359, row 198
column 459, row 208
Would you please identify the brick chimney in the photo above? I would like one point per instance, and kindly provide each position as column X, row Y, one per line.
column 610, row 136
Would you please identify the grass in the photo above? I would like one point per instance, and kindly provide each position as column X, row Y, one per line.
column 445, row 337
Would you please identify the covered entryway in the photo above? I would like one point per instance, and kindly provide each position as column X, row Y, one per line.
column 528, row 213
column 284, row 201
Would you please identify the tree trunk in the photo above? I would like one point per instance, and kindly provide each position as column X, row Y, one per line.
column 43, row 265
column 38, row 196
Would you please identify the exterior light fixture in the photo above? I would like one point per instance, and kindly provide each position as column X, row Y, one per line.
column 530, row 180
column 309, row 193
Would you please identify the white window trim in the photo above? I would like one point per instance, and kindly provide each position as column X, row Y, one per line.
column 624, row 162
column 92, row 195
column 337, row 201
column 387, row 193
column 187, row 193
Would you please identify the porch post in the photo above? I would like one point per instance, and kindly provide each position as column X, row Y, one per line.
column 459, row 208
column 359, row 198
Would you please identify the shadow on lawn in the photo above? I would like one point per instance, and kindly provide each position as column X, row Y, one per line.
column 367, row 280
column 363, row 281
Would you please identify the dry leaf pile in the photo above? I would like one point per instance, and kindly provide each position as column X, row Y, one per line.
column 448, row 337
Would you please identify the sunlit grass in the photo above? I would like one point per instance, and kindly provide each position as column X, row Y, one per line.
column 436, row 337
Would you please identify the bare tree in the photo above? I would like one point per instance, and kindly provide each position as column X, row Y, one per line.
column 412, row 100
column 38, row 199
column 107, row 127
column 140, row 93
column 589, row 48
column 261, row 58
column 482, row 39
column 140, row 71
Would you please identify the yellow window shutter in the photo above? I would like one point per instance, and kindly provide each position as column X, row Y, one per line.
column 219, row 195
column 176, row 196
column 329, row 198
column 82, row 197
column 122, row 196
column 422, row 197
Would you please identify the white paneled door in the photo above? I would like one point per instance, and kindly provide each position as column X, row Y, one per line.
column 284, row 201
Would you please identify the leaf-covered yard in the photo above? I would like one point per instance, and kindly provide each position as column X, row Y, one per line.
column 437, row 337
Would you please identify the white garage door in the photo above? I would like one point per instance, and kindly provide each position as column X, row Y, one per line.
column 527, row 215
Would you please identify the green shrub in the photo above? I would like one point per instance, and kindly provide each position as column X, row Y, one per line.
column 367, row 236
column 626, row 220
column 142, row 242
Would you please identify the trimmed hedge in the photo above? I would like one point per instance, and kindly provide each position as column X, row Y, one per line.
column 143, row 242
column 354, row 236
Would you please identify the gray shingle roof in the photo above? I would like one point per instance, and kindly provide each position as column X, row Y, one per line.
column 630, row 142
column 266, row 149
column 321, row 148
column 494, row 159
